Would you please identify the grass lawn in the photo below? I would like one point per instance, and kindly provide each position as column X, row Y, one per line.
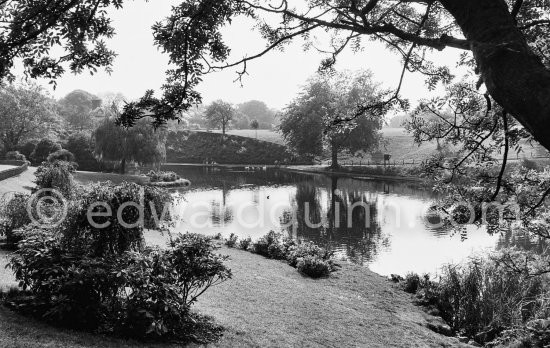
column 269, row 304
column 263, row 134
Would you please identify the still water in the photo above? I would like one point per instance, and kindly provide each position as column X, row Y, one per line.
column 387, row 229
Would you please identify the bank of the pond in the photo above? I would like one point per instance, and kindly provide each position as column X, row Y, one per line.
column 351, row 173
column 269, row 304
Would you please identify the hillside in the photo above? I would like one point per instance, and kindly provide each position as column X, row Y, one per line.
column 199, row 147
column 398, row 143
column 262, row 135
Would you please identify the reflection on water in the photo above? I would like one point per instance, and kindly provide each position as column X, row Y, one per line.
column 375, row 223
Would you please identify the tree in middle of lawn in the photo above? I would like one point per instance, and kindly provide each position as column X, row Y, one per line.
column 219, row 114
column 312, row 122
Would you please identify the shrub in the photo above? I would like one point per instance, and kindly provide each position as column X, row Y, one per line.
column 261, row 246
column 295, row 252
column 81, row 146
column 313, row 259
column 144, row 295
column 15, row 155
column 484, row 293
column 157, row 176
column 100, row 277
column 61, row 155
column 57, row 175
column 484, row 296
column 43, row 149
column 245, row 243
column 27, row 148
column 314, row 266
column 165, row 283
column 14, row 215
column 412, row 283
column 232, row 241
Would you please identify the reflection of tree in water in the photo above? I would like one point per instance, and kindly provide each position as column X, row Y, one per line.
column 354, row 233
column 220, row 214
column 307, row 195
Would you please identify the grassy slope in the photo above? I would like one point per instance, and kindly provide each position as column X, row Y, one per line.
column 398, row 143
column 269, row 304
column 197, row 146
column 263, row 135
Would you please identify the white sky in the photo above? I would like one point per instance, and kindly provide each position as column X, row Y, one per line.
column 274, row 78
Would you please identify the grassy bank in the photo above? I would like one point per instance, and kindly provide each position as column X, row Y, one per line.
column 269, row 304
column 370, row 172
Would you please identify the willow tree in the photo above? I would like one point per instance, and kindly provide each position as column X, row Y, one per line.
column 141, row 144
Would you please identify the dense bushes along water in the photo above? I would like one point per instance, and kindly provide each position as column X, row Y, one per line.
column 493, row 301
column 307, row 258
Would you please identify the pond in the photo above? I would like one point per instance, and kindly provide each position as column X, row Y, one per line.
column 380, row 224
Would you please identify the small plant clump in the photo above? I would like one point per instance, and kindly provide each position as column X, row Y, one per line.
column 308, row 258
column 13, row 216
column 245, row 243
column 232, row 241
column 15, row 155
column 158, row 176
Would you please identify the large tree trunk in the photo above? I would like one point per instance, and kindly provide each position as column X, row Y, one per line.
column 515, row 77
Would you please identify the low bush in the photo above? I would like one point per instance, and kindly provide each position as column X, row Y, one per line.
column 43, row 149
column 295, row 252
column 245, row 243
column 314, row 266
column 314, row 260
column 56, row 175
column 61, row 155
column 276, row 251
column 157, row 176
column 82, row 147
column 411, row 283
column 13, row 215
column 27, row 148
column 261, row 246
column 145, row 295
column 232, row 241
column 15, row 156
